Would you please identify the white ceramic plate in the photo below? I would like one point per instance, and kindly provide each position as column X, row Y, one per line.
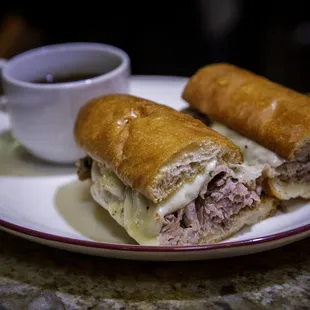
column 46, row 203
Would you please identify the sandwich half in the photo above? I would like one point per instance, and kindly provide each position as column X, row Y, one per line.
column 164, row 176
column 271, row 123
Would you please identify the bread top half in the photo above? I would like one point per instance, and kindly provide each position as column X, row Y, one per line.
column 270, row 114
column 151, row 147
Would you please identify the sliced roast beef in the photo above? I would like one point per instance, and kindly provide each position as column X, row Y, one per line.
column 212, row 210
column 294, row 171
column 84, row 168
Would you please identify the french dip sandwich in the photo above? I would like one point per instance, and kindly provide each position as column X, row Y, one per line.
column 164, row 176
column 269, row 122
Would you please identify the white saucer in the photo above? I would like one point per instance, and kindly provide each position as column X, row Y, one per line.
column 46, row 203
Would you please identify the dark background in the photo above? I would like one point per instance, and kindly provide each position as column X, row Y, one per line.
column 271, row 38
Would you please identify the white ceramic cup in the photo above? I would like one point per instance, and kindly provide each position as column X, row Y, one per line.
column 43, row 115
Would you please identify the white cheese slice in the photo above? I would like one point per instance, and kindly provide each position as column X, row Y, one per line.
column 142, row 218
column 254, row 153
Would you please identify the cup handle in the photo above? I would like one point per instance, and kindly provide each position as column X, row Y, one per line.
column 3, row 102
column 3, row 99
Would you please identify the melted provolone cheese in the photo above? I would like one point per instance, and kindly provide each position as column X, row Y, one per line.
column 142, row 218
column 245, row 172
column 256, row 157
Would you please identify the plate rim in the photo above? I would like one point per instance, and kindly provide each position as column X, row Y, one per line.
column 144, row 248
column 153, row 249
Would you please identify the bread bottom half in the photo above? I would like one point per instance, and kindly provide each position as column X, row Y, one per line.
column 284, row 190
column 246, row 217
column 207, row 218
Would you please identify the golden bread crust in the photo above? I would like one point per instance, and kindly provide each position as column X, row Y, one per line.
column 136, row 137
column 270, row 114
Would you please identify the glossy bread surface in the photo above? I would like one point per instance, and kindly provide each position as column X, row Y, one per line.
column 137, row 137
column 272, row 115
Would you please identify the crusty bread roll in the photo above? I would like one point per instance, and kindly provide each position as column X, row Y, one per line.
column 134, row 135
column 272, row 115
column 164, row 176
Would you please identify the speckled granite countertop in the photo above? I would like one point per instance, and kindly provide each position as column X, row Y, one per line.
column 37, row 277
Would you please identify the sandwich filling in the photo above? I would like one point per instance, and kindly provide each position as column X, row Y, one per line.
column 270, row 164
column 199, row 209
column 295, row 171
column 211, row 212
